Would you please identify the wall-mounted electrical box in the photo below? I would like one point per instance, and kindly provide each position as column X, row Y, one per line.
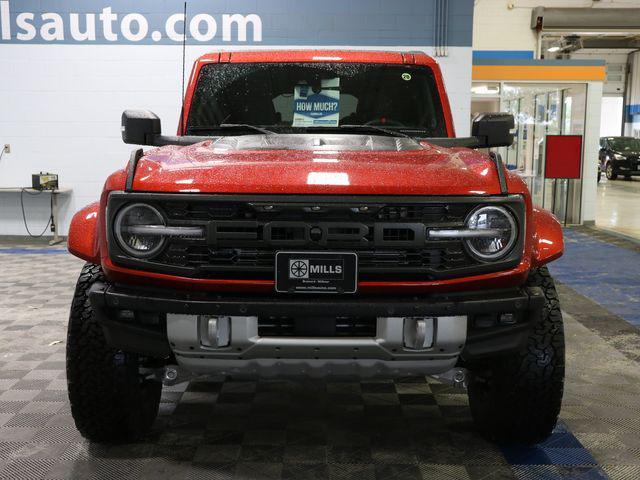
column 44, row 181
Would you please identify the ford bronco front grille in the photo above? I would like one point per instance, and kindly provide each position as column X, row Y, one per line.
column 241, row 234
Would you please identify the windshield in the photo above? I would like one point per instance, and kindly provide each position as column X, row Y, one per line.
column 294, row 97
column 624, row 144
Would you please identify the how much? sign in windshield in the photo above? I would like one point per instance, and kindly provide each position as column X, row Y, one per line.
column 317, row 109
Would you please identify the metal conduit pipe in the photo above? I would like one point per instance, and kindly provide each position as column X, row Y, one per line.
column 441, row 27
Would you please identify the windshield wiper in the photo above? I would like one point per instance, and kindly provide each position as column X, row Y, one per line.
column 230, row 126
column 369, row 128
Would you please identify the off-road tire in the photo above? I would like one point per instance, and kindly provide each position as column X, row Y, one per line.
column 517, row 398
column 110, row 400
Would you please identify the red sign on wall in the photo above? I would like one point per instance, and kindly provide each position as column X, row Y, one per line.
column 563, row 156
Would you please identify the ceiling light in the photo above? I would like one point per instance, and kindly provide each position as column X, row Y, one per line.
column 485, row 89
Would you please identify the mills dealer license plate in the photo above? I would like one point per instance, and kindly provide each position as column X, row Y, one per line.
column 316, row 272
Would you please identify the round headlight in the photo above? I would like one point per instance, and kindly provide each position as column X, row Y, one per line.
column 497, row 232
column 138, row 242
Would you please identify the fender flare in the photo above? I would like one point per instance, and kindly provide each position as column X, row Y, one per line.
column 83, row 236
column 548, row 241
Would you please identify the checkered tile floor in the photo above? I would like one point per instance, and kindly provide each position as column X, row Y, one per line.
column 411, row 429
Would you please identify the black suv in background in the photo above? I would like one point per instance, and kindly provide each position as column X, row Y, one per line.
column 620, row 156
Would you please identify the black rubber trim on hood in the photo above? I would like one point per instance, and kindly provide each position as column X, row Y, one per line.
column 497, row 160
column 136, row 155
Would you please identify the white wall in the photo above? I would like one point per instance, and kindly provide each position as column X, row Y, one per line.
column 506, row 25
column 456, row 70
column 497, row 27
column 60, row 108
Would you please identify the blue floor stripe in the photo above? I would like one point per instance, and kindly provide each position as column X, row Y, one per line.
column 605, row 273
column 32, row 251
column 560, row 457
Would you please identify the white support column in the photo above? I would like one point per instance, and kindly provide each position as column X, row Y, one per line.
column 590, row 153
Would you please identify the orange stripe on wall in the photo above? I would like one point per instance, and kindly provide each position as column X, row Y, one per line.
column 538, row 72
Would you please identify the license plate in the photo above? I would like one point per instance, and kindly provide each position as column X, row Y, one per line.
column 316, row 272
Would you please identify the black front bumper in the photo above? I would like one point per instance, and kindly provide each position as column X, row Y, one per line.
column 629, row 167
column 484, row 337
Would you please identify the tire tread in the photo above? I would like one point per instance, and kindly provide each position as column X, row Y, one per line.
column 520, row 399
column 109, row 401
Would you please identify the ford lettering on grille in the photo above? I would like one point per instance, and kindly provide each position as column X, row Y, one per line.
column 298, row 234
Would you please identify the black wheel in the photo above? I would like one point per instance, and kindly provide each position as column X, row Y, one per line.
column 517, row 398
column 110, row 400
column 627, row 178
column 599, row 174
column 609, row 172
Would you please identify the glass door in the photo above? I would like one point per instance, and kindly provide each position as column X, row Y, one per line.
column 542, row 109
column 552, row 127
column 539, row 130
column 513, row 107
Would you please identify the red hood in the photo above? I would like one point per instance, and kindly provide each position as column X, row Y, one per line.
column 429, row 170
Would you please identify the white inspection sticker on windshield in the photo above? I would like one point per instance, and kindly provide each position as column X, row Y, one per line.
column 317, row 109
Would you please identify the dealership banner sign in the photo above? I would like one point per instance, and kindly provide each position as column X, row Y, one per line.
column 241, row 22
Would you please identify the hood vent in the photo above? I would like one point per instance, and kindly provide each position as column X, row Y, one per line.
column 316, row 141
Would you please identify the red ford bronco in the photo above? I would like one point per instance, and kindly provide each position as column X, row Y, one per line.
column 315, row 216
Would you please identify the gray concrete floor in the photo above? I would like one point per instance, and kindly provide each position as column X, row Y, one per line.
column 618, row 206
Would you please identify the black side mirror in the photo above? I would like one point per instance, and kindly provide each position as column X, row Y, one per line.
column 140, row 127
column 493, row 129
